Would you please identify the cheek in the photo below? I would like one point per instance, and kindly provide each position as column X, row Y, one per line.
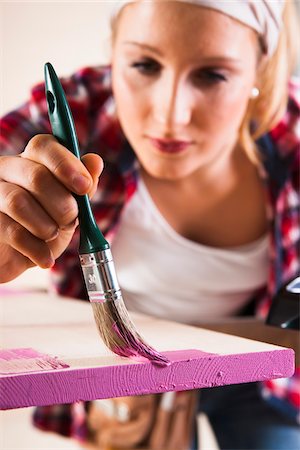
column 225, row 109
column 131, row 106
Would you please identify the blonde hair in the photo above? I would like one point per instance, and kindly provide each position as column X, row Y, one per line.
column 274, row 74
column 264, row 112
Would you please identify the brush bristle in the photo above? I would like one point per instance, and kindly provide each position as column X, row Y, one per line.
column 119, row 333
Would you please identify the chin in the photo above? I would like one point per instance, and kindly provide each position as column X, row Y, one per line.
column 168, row 173
column 169, row 167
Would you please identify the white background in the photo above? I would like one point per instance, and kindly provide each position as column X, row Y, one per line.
column 69, row 34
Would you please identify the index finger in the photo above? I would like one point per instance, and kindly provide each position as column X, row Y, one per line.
column 65, row 166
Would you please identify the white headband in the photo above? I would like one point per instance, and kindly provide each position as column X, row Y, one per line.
column 263, row 16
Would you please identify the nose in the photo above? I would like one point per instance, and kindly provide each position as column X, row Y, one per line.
column 172, row 102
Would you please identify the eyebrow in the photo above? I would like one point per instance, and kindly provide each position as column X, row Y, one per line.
column 221, row 59
column 215, row 59
column 145, row 46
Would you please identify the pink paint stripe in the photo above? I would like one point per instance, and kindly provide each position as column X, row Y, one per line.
column 24, row 360
column 96, row 297
column 190, row 369
column 15, row 291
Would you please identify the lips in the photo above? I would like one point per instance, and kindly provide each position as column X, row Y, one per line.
column 170, row 145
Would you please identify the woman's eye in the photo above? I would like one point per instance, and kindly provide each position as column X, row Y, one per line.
column 146, row 67
column 210, row 76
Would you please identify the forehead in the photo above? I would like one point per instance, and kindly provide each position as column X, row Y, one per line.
column 191, row 28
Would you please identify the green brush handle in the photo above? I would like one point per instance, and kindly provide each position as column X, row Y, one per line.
column 91, row 238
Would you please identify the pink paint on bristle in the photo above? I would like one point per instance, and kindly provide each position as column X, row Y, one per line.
column 136, row 349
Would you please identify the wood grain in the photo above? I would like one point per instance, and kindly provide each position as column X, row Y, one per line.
column 64, row 328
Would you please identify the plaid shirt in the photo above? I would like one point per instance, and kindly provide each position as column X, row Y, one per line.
column 89, row 94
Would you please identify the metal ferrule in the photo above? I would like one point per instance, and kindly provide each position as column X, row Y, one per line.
column 100, row 276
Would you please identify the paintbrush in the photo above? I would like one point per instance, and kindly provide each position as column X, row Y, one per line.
column 112, row 319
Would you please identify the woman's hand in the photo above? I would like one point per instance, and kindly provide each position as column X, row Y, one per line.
column 38, row 213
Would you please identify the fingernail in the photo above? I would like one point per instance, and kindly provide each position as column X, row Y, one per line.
column 53, row 237
column 81, row 183
column 49, row 262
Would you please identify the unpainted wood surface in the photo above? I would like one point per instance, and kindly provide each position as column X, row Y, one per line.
column 64, row 328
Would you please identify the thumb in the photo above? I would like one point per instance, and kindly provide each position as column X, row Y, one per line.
column 94, row 164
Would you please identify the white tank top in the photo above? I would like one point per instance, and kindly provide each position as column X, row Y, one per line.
column 166, row 275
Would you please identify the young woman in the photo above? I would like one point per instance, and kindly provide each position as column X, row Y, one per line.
column 196, row 122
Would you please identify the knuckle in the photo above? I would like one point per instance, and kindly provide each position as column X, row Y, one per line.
column 39, row 140
column 38, row 176
column 36, row 140
column 7, row 165
column 15, row 233
column 50, row 234
column 16, row 201
column 69, row 210
column 3, row 160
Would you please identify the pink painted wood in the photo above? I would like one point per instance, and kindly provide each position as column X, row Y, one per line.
column 190, row 369
column 69, row 362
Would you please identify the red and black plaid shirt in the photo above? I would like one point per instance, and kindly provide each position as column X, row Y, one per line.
column 89, row 95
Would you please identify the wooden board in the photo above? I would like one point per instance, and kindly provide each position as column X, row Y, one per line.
column 51, row 353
